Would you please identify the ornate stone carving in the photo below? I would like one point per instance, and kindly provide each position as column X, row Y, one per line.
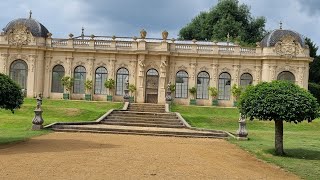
column 203, row 68
column 193, row 69
column 225, row 69
column 214, row 71
column 258, row 73
column 182, row 68
column 19, row 35
column 288, row 46
column 273, row 72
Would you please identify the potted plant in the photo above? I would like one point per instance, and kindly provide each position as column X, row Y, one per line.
column 193, row 91
column 213, row 93
column 88, row 86
column 132, row 89
column 236, row 92
column 67, row 82
column 109, row 84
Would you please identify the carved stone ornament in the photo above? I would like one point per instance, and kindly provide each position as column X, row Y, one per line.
column 19, row 35
column 287, row 47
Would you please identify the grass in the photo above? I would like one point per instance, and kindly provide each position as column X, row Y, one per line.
column 301, row 141
column 16, row 127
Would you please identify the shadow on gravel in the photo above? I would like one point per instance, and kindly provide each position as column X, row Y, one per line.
column 53, row 145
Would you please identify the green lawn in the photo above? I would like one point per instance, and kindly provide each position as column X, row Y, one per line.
column 16, row 127
column 301, row 141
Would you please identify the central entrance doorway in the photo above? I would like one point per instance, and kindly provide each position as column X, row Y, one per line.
column 152, row 84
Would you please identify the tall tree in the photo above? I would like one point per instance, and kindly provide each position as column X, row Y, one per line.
column 228, row 16
column 314, row 71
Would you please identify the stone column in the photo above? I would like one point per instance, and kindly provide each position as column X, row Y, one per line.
column 39, row 73
column 257, row 75
column 272, row 72
column 162, row 80
column 132, row 77
column 47, row 76
column 235, row 76
column 140, row 78
column 68, row 68
column 31, row 76
column 91, row 72
column 300, row 78
column 3, row 63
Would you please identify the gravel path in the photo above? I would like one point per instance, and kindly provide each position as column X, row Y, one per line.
column 108, row 156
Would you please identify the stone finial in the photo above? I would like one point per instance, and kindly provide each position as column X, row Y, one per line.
column 194, row 40
column 49, row 35
column 134, row 38
column 92, row 36
column 37, row 121
column 143, row 34
column 228, row 37
column 173, row 40
column 113, row 37
column 70, row 36
column 165, row 35
column 280, row 24
column 257, row 44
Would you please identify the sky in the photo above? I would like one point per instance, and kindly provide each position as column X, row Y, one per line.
column 128, row 17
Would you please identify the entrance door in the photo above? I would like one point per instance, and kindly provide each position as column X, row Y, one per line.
column 152, row 83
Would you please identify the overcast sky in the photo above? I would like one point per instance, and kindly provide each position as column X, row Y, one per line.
column 128, row 17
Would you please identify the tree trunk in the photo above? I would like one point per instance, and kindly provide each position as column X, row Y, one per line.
column 278, row 138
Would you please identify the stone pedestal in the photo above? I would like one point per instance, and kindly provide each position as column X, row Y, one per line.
column 242, row 133
column 37, row 121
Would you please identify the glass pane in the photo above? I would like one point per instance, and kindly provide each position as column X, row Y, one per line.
column 182, row 84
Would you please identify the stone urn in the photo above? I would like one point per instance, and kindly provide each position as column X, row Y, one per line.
column 143, row 34
column 165, row 35
column 70, row 36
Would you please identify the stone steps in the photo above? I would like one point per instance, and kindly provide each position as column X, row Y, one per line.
column 139, row 131
column 143, row 118
column 145, row 124
column 146, row 108
column 131, row 119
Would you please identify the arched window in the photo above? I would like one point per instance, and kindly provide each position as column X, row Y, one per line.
column 182, row 79
column 287, row 76
column 202, row 85
column 57, row 74
column 245, row 79
column 122, row 76
column 19, row 73
column 79, row 80
column 224, row 86
column 101, row 77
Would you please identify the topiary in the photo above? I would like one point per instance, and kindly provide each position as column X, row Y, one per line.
column 278, row 101
column 11, row 96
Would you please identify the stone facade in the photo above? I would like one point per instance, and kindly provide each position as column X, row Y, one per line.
column 138, row 55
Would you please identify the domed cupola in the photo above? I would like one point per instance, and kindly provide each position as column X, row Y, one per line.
column 271, row 39
column 32, row 25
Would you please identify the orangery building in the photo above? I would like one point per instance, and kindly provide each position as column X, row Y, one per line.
column 37, row 62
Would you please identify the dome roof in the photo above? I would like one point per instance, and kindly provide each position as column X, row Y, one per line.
column 276, row 35
column 36, row 28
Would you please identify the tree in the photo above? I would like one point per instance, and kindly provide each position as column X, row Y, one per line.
column 278, row 101
column 314, row 71
column 228, row 16
column 11, row 96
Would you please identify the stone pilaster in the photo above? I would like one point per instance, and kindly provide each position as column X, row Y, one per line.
column 31, row 88
column 272, row 72
column 68, row 67
column 91, row 72
column 140, row 79
column 47, row 76
column 301, row 78
column 257, row 75
column 214, row 82
column 3, row 63
column 236, row 69
column 162, row 80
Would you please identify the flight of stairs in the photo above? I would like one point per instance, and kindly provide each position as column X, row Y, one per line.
column 140, row 119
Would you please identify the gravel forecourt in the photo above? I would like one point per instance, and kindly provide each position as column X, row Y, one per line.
column 111, row 156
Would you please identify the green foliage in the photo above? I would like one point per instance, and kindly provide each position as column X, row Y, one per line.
column 11, row 96
column 109, row 84
column 314, row 71
column 213, row 92
column 67, row 82
column 193, row 91
column 172, row 87
column 88, row 85
column 279, row 101
column 236, row 91
column 314, row 89
column 132, row 88
column 228, row 16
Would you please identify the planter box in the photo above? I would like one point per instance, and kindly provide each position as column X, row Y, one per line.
column 214, row 102
column 66, row 96
column 235, row 103
column 193, row 102
column 131, row 99
column 109, row 97
column 87, row 97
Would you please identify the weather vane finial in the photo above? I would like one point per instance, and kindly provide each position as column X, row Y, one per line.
column 280, row 24
column 30, row 14
column 82, row 32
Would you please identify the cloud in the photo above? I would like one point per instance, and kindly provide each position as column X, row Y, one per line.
column 312, row 7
